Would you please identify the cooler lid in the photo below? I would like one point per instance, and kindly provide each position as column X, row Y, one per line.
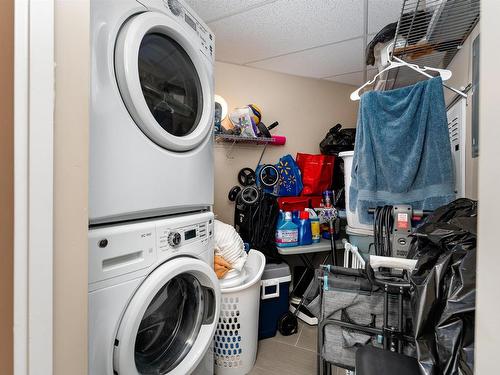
column 275, row 271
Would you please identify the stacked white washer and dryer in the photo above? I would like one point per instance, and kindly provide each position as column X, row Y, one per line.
column 153, row 296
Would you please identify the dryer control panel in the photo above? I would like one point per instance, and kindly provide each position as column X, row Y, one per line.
column 207, row 39
column 177, row 238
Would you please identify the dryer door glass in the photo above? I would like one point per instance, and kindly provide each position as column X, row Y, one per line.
column 170, row 84
column 170, row 325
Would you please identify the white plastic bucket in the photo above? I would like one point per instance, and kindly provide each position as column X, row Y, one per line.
column 235, row 340
column 361, row 238
column 352, row 216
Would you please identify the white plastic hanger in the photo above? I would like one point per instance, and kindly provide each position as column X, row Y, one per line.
column 396, row 62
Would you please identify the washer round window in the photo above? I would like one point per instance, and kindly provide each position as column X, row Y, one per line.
column 169, row 326
column 170, row 84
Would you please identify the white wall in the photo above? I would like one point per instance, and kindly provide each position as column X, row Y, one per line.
column 488, row 261
column 305, row 108
column 72, row 54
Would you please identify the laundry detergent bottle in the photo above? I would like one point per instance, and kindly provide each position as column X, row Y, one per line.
column 305, row 233
column 287, row 232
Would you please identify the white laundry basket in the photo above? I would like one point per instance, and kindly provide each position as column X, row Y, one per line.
column 235, row 341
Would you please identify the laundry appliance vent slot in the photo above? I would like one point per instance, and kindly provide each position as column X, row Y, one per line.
column 122, row 261
column 457, row 132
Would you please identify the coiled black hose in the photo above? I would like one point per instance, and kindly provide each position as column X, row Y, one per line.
column 382, row 227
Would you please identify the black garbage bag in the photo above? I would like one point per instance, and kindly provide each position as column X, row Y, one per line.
column 444, row 289
column 256, row 224
column 338, row 140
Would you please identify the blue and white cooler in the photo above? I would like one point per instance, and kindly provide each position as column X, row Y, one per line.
column 274, row 295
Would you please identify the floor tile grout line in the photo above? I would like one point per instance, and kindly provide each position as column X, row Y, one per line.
column 308, row 350
column 298, row 336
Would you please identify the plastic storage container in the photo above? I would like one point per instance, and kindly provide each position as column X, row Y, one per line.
column 235, row 340
column 352, row 216
column 274, row 296
column 315, row 230
column 362, row 239
column 293, row 203
column 287, row 232
column 360, row 235
column 305, row 235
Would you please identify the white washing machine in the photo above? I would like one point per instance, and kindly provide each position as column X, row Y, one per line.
column 154, row 298
column 151, row 147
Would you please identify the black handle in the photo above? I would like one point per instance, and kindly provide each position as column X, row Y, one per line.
column 421, row 213
column 273, row 125
column 335, row 129
column 383, row 283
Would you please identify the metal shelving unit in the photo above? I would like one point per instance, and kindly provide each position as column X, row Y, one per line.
column 239, row 139
column 430, row 33
column 236, row 139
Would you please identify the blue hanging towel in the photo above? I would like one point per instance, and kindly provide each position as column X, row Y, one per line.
column 402, row 153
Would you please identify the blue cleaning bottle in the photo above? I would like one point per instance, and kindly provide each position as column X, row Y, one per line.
column 305, row 233
column 287, row 232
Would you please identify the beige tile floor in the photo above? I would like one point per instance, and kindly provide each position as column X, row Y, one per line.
column 290, row 355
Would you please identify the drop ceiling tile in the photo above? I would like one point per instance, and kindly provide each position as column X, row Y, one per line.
column 210, row 10
column 286, row 26
column 319, row 62
column 381, row 13
column 355, row 79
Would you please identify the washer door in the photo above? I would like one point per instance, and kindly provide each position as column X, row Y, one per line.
column 164, row 81
column 170, row 321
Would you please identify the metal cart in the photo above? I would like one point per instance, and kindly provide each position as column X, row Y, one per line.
column 361, row 308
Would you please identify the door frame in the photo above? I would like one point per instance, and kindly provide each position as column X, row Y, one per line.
column 33, row 186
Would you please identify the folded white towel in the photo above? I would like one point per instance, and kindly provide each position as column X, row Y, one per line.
column 229, row 245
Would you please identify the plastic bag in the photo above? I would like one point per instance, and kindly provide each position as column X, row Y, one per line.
column 290, row 180
column 242, row 120
column 317, row 172
column 338, row 140
column 444, row 289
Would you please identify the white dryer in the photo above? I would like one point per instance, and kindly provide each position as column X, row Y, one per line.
column 154, row 299
column 151, row 147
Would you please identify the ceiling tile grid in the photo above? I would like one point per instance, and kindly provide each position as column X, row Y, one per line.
column 311, row 38
column 212, row 10
column 322, row 62
column 284, row 27
column 381, row 13
column 354, row 78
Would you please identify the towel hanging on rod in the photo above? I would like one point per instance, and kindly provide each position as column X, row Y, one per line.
column 395, row 62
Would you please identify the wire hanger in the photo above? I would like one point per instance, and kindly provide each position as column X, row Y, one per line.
column 396, row 62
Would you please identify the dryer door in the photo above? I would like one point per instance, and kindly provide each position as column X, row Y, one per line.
column 165, row 81
column 170, row 321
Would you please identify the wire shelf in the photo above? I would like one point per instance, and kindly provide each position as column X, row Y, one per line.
column 430, row 33
column 239, row 139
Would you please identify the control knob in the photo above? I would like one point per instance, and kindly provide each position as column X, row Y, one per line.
column 175, row 7
column 174, row 239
